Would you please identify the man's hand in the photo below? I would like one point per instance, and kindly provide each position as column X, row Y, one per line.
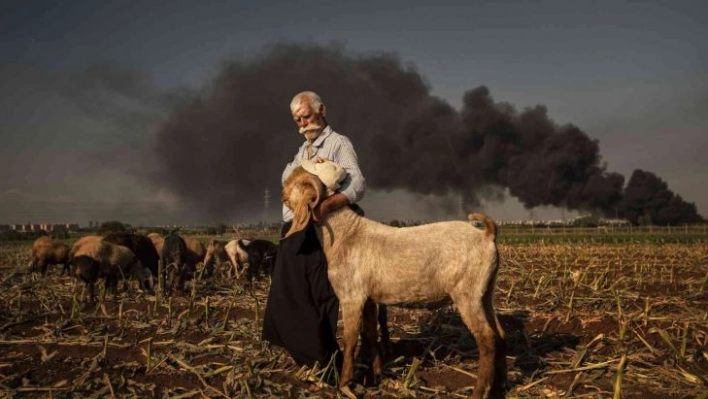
column 331, row 203
column 319, row 160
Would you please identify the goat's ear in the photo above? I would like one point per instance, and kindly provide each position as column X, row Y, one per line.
column 309, row 198
column 301, row 216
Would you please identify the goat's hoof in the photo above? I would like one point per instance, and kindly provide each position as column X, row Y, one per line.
column 372, row 378
column 347, row 392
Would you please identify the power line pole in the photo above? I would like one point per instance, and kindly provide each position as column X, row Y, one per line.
column 266, row 202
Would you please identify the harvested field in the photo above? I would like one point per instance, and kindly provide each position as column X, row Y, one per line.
column 582, row 320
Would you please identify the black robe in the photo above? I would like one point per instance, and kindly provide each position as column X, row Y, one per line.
column 301, row 313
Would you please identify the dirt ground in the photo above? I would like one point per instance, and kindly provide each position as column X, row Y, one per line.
column 573, row 315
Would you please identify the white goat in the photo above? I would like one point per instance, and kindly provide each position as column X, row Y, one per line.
column 218, row 252
column 421, row 266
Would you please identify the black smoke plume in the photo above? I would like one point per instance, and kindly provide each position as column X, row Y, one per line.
column 648, row 200
column 223, row 148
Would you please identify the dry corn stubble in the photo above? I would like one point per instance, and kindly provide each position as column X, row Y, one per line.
column 582, row 319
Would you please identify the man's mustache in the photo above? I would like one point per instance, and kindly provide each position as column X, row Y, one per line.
column 311, row 126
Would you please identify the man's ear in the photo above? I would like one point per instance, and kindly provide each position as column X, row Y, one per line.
column 323, row 110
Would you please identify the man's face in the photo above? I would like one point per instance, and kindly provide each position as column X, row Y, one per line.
column 310, row 123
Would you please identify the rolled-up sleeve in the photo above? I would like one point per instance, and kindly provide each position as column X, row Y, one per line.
column 354, row 185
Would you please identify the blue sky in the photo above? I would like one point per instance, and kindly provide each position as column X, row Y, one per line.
column 632, row 74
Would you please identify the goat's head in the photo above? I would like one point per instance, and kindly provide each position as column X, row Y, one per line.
column 301, row 193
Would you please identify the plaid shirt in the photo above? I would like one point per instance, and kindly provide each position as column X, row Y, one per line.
column 337, row 148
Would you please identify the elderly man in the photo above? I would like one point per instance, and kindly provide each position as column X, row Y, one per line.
column 301, row 314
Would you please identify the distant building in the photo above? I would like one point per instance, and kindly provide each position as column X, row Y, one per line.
column 614, row 222
column 48, row 227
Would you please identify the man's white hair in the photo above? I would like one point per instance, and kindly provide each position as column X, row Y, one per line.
column 313, row 98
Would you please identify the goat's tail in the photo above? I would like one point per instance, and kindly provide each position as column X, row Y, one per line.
column 490, row 229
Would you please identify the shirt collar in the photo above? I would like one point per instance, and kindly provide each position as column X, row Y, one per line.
column 325, row 132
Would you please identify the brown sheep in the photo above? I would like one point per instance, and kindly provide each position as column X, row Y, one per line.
column 96, row 259
column 141, row 246
column 158, row 241
column 215, row 256
column 194, row 255
column 195, row 252
column 47, row 252
column 81, row 241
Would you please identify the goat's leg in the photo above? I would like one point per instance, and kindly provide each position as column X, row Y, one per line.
column 385, row 336
column 208, row 270
column 474, row 317
column 500, row 339
column 369, row 348
column 108, row 284
column 90, row 288
column 173, row 279
column 351, row 320
column 237, row 272
column 181, row 277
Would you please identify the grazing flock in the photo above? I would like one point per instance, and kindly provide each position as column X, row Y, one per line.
column 370, row 266
column 172, row 259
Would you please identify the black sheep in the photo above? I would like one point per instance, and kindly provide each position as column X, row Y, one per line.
column 174, row 258
column 261, row 257
column 142, row 247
